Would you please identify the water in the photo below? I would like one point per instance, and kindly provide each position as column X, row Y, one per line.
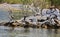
column 22, row 32
column 4, row 15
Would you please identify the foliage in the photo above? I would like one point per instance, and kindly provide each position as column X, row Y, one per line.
column 36, row 2
column 16, row 1
column 55, row 2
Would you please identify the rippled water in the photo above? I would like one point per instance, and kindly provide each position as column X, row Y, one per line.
column 22, row 32
column 4, row 15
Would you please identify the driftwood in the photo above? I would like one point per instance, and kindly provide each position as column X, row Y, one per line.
column 29, row 24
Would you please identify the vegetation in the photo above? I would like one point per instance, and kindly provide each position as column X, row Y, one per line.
column 16, row 1
column 36, row 2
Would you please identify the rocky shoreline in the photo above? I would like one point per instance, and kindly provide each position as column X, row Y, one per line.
column 29, row 25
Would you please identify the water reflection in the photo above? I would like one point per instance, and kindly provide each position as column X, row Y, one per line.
column 26, row 30
column 29, row 32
